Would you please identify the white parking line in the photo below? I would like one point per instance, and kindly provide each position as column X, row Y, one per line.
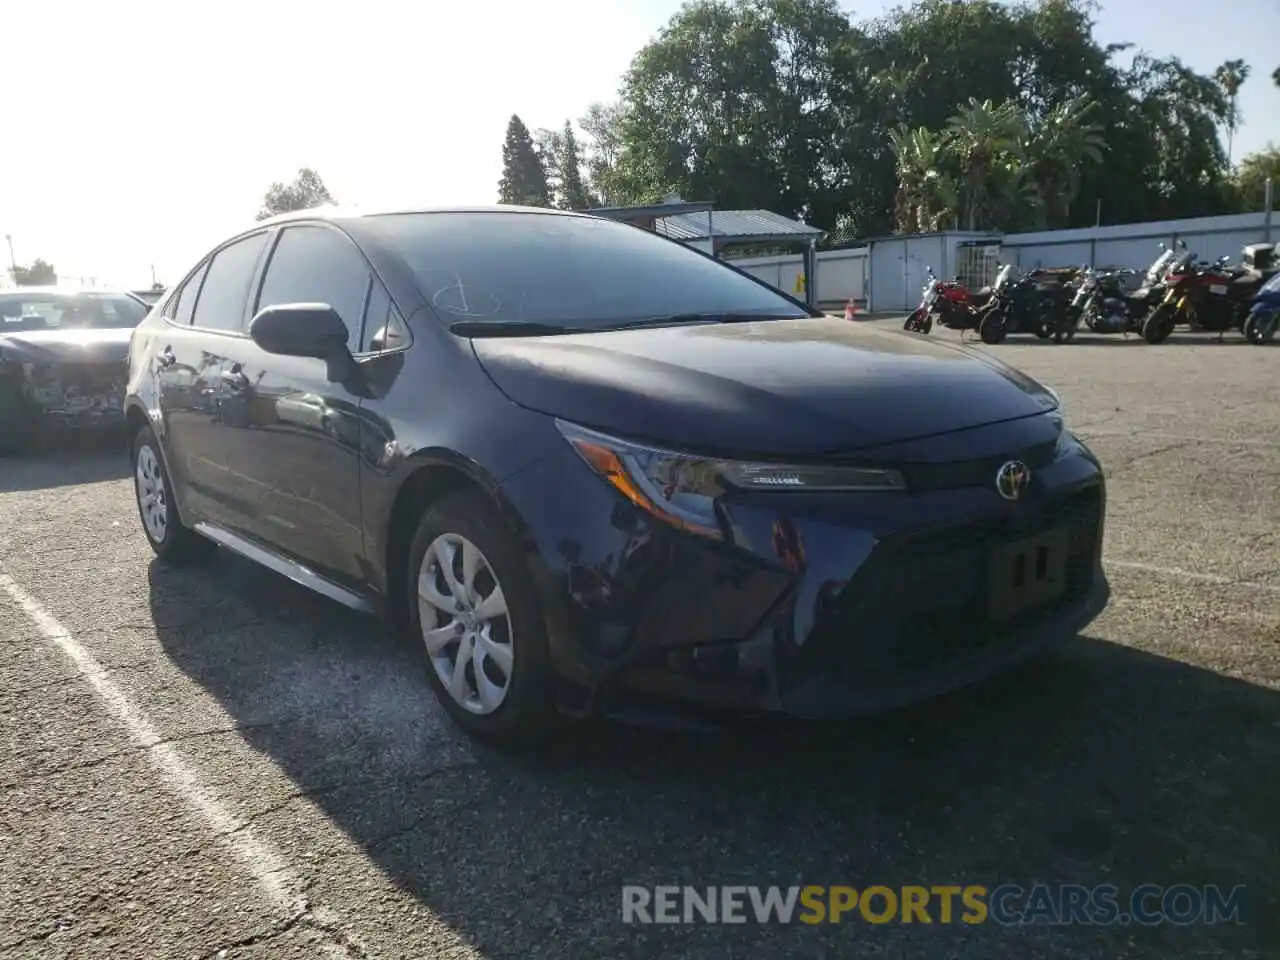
column 281, row 885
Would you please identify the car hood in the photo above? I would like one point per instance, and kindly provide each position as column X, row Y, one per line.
column 70, row 345
column 768, row 388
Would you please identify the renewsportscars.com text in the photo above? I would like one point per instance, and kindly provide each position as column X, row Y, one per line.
column 1008, row 904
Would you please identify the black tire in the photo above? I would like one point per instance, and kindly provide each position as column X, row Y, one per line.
column 1260, row 328
column 526, row 715
column 918, row 322
column 994, row 327
column 1159, row 324
column 175, row 544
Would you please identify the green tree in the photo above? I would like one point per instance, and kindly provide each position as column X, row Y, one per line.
column 306, row 190
column 1252, row 175
column 927, row 197
column 602, row 125
column 562, row 160
column 1062, row 144
column 573, row 191
column 524, row 178
column 38, row 274
column 987, row 140
column 1231, row 76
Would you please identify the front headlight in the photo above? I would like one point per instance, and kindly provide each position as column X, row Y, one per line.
column 684, row 489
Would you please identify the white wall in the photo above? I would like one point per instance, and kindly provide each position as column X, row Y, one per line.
column 887, row 274
column 1137, row 244
column 840, row 274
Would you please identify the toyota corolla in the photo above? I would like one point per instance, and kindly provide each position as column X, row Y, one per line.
column 582, row 466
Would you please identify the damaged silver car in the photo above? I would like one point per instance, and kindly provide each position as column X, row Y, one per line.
column 63, row 359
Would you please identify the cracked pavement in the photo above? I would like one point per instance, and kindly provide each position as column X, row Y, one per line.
column 1146, row 751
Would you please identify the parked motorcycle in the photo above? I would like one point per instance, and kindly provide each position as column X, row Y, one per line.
column 1105, row 303
column 1264, row 315
column 952, row 305
column 1209, row 297
column 1036, row 303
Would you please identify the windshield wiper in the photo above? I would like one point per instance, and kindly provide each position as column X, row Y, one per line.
column 507, row 328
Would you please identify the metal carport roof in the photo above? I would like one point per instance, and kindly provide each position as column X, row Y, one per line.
column 738, row 226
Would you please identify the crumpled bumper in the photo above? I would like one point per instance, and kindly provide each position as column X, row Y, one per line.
column 42, row 395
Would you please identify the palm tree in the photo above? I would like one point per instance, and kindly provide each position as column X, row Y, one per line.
column 926, row 197
column 1059, row 145
column 984, row 138
column 1231, row 76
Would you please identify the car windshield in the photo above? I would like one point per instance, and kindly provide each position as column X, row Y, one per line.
column 62, row 311
column 565, row 271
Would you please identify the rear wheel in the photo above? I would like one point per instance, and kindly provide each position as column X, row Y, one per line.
column 170, row 540
column 1159, row 324
column 475, row 619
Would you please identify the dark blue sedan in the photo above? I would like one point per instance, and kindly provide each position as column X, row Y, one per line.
column 582, row 466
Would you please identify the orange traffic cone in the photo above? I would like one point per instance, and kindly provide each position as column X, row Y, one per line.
column 849, row 310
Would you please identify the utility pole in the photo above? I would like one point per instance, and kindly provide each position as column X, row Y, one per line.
column 13, row 262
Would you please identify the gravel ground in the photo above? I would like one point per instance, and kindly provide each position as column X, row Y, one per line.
column 212, row 762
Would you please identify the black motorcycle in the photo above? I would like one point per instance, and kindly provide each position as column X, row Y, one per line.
column 1116, row 300
column 1036, row 303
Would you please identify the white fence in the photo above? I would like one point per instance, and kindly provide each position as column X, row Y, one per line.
column 839, row 275
column 842, row 275
column 1135, row 244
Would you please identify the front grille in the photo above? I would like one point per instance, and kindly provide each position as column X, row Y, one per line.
column 978, row 472
column 918, row 606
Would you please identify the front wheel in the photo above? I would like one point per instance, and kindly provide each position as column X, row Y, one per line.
column 475, row 619
column 1260, row 328
column 1157, row 327
column 918, row 322
column 157, row 509
column 994, row 327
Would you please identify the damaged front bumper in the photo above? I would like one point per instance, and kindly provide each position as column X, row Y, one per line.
column 62, row 395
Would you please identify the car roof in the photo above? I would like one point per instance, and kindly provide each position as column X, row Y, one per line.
column 338, row 212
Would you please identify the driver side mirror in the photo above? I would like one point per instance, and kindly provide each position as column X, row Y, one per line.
column 305, row 330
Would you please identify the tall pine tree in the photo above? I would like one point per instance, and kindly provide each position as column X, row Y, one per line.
column 524, row 179
column 573, row 193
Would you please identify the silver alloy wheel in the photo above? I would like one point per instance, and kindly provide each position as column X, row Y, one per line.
column 465, row 624
column 153, row 500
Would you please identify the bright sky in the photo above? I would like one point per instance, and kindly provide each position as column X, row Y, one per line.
column 155, row 128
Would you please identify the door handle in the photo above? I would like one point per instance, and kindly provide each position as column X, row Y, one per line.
column 235, row 378
column 166, row 358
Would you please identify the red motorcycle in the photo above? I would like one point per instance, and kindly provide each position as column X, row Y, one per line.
column 1213, row 298
column 953, row 306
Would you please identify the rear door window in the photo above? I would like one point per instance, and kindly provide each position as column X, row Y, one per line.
column 313, row 264
column 226, row 284
column 184, row 302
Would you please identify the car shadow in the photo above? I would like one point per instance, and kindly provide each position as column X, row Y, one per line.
column 1099, row 765
column 57, row 461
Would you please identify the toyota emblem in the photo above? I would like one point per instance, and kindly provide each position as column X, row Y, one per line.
column 1012, row 479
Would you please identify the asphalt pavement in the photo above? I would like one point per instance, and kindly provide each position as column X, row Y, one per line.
column 212, row 762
